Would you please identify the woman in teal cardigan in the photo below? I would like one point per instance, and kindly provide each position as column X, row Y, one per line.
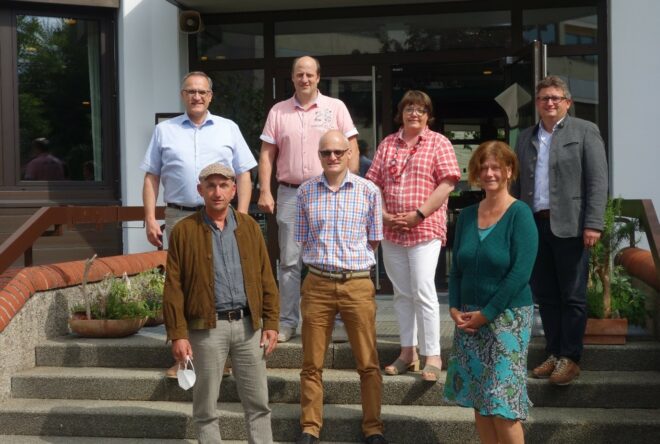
column 490, row 300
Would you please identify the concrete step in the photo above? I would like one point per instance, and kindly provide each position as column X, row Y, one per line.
column 404, row 424
column 148, row 349
column 603, row 389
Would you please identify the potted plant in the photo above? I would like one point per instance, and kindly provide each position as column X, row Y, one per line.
column 151, row 284
column 115, row 310
column 612, row 301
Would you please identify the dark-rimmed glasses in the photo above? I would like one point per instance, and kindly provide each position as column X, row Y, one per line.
column 338, row 153
column 553, row 99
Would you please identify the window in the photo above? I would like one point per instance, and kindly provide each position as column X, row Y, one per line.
column 59, row 98
column 230, row 41
column 565, row 26
column 375, row 35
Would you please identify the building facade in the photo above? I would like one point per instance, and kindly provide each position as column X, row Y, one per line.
column 92, row 76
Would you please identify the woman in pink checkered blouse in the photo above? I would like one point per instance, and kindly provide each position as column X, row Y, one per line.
column 415, row 169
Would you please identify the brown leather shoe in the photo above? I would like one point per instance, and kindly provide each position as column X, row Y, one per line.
column 544, row 370
column 565, row 372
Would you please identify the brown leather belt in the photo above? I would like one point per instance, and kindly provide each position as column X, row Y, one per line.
column 543, row 214
column 340, row 275
column 289, row 185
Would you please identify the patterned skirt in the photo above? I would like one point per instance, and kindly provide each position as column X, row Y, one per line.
column 487, row 371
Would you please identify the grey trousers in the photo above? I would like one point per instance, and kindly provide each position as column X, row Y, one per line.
column 210, row 350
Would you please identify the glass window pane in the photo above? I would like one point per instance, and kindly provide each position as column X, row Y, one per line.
column 581, row 75
column 565, row 26
column 393, row 34
column 59, row 98
column 239, row 96
column 231, row 41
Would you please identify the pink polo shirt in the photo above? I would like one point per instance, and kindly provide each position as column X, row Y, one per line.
column 296, row 133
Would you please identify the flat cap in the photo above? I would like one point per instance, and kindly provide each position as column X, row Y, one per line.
column 217, row 168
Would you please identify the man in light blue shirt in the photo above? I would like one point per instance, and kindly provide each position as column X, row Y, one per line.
column 181, row 147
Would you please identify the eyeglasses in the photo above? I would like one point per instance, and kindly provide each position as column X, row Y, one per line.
column 553, row 99
column 338, row 153
column 410, row 110
column 193, row 92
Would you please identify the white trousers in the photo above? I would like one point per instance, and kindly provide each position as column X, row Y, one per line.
column 412, row 272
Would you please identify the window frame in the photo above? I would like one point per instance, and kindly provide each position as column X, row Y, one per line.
column 103, row 191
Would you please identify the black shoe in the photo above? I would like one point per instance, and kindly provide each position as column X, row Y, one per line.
column 375, row 439
column 307, row 438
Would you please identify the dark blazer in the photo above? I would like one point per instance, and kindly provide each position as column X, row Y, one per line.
column 578, row 175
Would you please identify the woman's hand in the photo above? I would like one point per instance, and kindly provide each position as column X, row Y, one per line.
column 394, row 221
column 469, row 321
column 409, row 219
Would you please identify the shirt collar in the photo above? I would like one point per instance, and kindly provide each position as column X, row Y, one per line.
column 208, row 120
column 230, row 221
column 297, row 104
column 559, row 124
column 422, row 135
column 349, row 178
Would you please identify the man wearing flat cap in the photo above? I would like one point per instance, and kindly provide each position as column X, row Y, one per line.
column 221, row 299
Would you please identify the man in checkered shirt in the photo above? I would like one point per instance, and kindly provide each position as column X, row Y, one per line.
column 339, row 225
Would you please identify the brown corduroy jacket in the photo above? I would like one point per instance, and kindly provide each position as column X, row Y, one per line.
column 189, row 297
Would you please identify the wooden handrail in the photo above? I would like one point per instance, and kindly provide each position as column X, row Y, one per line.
column 644, row 211
column 22, row 240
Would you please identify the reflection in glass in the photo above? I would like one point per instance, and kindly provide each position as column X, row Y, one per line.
column 393, row 34
column 239, row 96
column 59, row 98
column 581, row 75
column 561, row 26
column 231, row 41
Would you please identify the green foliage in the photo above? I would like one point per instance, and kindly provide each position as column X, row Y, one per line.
column 150, row 284
column 610, row 292
column 627, row 301
column 117, row 299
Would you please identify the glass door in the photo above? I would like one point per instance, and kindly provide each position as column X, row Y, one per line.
column 522, row 72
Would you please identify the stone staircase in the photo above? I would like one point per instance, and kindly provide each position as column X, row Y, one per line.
column 100, row 390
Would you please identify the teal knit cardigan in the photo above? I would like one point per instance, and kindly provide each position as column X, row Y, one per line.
column 493, row 273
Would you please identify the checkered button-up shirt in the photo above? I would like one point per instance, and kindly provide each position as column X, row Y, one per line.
column 406, row 187
column 335, row 227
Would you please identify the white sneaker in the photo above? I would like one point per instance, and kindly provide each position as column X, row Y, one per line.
column 339, row 334
column 285, row 334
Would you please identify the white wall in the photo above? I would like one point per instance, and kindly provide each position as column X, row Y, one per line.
column 634, row 99
column 152, row 59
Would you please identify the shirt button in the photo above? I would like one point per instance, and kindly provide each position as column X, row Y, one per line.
column 530, row 193
column 531, row 175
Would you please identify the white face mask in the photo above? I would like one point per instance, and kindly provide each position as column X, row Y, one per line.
column 186, row 376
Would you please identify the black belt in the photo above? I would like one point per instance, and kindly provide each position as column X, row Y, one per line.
column 233, row 315
column 289, row 185
column 182, row 208
column 543, row 214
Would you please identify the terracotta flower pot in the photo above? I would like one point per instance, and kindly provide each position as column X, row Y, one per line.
column 155, row 320
column 606, row 331
column 106, row 328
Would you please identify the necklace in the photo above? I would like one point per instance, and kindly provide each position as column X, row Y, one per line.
column 393, row 168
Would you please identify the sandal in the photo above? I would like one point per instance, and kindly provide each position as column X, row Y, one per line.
column 430, row 373
column 399, row 367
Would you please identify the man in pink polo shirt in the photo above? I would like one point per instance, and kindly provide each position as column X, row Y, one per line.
column 290, row 140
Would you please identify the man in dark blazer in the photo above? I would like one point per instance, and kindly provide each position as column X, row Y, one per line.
column 563, row 178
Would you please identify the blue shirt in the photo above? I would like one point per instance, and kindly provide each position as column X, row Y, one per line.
column 542, row 171
column 229, row 289
column 179, row 150
column 335, row 227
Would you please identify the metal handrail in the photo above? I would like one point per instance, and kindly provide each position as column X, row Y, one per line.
column 22, row 240
column 644, row 211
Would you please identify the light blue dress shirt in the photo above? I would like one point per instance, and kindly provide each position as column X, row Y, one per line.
column 179, row 150
column 542, row 172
